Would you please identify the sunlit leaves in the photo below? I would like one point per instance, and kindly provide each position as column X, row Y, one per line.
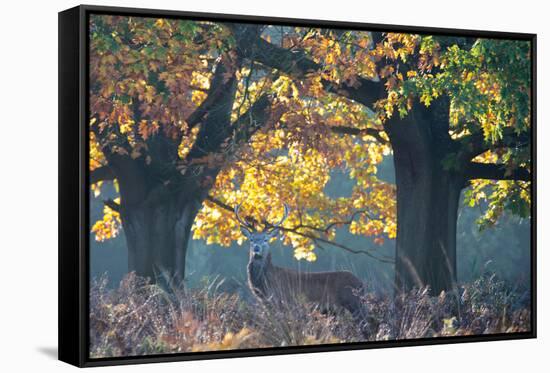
column 285, row 166
column 488, row 83
column 498, row 197
column 148, row 75
column 97, row 158
column 109, row 226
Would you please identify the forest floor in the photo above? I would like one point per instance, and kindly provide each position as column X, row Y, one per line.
column 139, row 318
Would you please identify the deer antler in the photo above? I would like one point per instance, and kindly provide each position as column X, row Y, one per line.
column 241, row 221
column 277, row 225
column 244, row 223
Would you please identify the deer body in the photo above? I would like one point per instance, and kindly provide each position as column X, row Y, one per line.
column 276, row 285
column 328, row 289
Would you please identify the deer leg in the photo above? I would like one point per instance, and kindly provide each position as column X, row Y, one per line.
column 359, row 314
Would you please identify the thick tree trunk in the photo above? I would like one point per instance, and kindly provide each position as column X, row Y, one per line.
column 427, row 205
column 157, row 236
column 159, row 201
column 427, row 201
column 161, row 194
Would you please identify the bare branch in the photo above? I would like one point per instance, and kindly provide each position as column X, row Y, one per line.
column 491, row 171
column 298, row 65
column 102, row 136
column 475, row 144
column 216, row 127
column 313, row 237
column 218, row 87
column 214, row 93
column 112, row 204
column 252, row 120
column 333, row 224
column 343, row 247
column 360, row 131
column 219, row 203
column 101, row 174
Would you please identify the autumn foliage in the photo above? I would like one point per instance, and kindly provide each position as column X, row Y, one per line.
column 151, row 77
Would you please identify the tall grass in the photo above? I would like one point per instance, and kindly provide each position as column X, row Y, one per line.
column 140, row 318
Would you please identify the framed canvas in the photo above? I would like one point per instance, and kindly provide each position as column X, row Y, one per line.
column 235, row 186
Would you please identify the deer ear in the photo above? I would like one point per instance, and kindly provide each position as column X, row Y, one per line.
column 245, row 231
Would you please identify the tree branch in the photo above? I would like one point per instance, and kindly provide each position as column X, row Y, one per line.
column 253, row 119
column 219, row 203
column 475, row 144
column 359, row 132
column 491, row 171
column 218, row 87
column 102, row 137
column 313, row 237
column 217, row 123
column 331, row 225
column 214, row 93
column 101, row 174
column 243, row 128
column 343, row 247
column 298, row 65
column 112, row 205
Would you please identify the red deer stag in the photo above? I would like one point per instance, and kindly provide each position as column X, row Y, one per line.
column 272, row 284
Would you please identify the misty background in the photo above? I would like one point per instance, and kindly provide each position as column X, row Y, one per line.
column 503, row 249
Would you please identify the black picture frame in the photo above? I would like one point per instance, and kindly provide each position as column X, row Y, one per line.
column 74, row 203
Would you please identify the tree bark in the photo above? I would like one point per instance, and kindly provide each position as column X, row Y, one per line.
column 160, row 198
column 157, row 236
column 427, row 205
column 427, row 193
column 427, row 200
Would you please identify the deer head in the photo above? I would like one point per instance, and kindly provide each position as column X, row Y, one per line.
column 259, row 240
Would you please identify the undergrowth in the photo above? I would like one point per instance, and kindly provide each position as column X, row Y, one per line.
column 140, row 318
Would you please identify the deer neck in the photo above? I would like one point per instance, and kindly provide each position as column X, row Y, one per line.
column 258, row 273
column 257, row 267
column 263, row 262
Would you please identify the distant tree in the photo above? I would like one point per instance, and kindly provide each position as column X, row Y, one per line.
column 192, row 118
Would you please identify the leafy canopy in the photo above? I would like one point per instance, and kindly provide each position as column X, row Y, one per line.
column 149, row 75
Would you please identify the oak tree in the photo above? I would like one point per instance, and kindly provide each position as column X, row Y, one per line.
column 190, row 119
